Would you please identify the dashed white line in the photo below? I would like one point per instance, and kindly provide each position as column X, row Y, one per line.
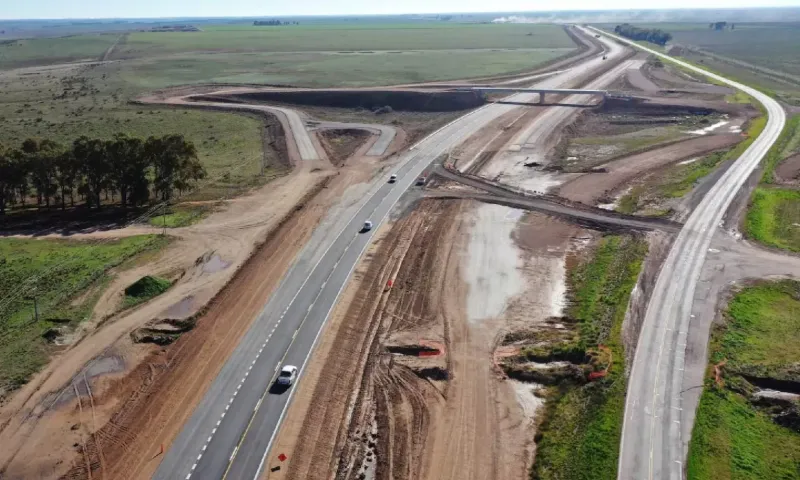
column 236, row 449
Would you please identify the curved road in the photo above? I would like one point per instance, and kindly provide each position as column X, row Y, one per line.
column 230, row 432
column 652, row 445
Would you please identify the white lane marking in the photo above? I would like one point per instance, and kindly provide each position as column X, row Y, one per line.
column 236, row 449
column 194, row 466
column 188, row 476
column 199, row 457
column 204, row 447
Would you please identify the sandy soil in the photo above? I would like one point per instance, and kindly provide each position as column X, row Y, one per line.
column 593, row 187
column 365, row 410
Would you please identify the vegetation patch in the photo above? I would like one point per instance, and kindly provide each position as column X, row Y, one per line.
column 179, row 216
column 144, row 289
column 737, row 436
column 579, row 435
column 774, row 214
column 787, row 143
column 774, row 218
column 58, row 280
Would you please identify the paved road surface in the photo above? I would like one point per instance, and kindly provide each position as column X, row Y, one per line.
column 652, row 444
column 232, row 428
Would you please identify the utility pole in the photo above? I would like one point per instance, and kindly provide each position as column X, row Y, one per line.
column 164, row 219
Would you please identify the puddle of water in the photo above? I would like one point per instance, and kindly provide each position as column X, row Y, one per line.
column 529, row 402
column 709, row 128
column 215, row 264
column 182, row 309
column 492, row 262
column 111, row 363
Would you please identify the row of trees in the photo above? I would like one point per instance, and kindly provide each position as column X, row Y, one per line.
column 272, row 23
column 136, row 169
column 653, row 35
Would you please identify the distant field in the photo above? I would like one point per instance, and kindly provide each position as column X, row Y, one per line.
column 317, row 69
column 43, row 51
column 229, row 145
column 343, row 38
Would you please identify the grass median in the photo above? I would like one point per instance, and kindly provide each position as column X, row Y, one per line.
column 582, row 425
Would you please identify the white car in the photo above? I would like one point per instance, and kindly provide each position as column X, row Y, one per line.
column 287, row 375
column 367, row 226
column 392, row 178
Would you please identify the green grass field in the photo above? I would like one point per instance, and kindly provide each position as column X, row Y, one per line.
column 732, row 440
column 66, row 278
column 323, row 69
column 343, row 38
column 582, row 427
column 96, row 104
column 44, row 51
column 773, row 218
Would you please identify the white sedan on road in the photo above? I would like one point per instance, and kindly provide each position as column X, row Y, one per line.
column 287, row 375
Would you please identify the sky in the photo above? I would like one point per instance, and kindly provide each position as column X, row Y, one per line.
column 19, row 9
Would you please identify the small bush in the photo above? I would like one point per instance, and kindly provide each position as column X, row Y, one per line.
column 145, row 288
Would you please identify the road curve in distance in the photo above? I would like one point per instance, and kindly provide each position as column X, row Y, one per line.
column 652, row 445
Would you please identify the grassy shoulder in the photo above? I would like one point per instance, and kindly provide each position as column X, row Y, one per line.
column 735, row 436
column 773, row 217
column 581, row 430
column 66, row 278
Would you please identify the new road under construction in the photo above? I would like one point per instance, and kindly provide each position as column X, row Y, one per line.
column 410, row 302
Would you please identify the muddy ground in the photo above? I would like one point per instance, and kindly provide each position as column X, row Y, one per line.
column 464, row 274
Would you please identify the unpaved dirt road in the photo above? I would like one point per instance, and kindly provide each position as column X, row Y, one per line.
column 591, row 187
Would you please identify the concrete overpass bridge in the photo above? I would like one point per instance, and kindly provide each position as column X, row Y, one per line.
column 541, row 91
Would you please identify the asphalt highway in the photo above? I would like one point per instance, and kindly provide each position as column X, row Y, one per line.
column 230, row 432
column 652, row 444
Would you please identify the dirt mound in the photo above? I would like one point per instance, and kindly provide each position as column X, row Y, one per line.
column 373, row 100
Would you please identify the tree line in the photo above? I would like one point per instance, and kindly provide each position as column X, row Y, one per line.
column 652, row 35
column 135, row 169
